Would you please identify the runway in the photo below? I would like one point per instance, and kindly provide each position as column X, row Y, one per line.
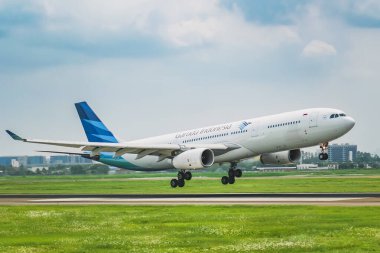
column 323, row 199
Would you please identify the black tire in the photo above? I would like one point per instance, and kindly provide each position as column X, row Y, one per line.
column 188, row 175
column 225, row 180
column 231, row 180
column 231, row 173
column 174, row 183
column 181, row 176
column 181, row 183
column 238, row 173
column 321, row 156
column 325, row 157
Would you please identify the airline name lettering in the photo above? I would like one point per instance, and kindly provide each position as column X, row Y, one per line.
column 204, row 131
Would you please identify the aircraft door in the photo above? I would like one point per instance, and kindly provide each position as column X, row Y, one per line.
column 313, row 119
column 256, row 129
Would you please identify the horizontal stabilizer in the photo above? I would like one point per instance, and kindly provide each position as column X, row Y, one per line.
column 84, row 155
column 60, row 152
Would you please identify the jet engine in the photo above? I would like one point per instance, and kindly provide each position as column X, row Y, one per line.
column 198, row 158
column 283, row 157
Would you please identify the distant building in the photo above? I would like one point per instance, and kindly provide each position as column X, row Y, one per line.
column 342, row 153
column 15, row 163
column 65, row 159
column 275, row 169
column 23, row 160
column 307, row 166
column 7, row 160
column 36, row 160
column 10, row 160
column 41, row 161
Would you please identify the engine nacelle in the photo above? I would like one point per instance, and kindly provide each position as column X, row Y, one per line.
column 198, row 158
column 283, row 157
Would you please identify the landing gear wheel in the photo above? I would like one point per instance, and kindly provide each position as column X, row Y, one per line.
column 174, row 183
column 181, row 175
column 181, row 183
column 231, row 173
column 225, row 180
column 188, row 175
column 238, row 173
column 323, row 156
column 231, row 180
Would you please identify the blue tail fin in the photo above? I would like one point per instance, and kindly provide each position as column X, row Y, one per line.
column 95, row 130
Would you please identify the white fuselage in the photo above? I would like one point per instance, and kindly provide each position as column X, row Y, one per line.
column 256, row 136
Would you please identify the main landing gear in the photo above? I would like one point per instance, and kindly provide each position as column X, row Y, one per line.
column 180, row 180
column 323, row 156
column 233, row 173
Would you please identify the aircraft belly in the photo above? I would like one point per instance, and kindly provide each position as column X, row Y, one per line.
column 234, row 155
column 149, row 162
column 129, row 162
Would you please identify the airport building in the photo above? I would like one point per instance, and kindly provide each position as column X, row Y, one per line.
column 65, row 159
column 38, row 161
column 13, row 161
column 342, row 153
column 7, row 160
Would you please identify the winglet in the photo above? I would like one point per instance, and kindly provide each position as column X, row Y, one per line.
column 15, row 136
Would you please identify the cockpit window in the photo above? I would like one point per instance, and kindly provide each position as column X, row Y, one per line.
column 337, row 115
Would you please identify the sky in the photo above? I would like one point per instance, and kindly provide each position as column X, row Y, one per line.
column 153, row 67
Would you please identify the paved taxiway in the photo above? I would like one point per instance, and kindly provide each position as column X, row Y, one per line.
column 324, row 199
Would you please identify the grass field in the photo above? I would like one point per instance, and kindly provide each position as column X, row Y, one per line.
column 189, row 229
column 348, row 182
column 306, row 173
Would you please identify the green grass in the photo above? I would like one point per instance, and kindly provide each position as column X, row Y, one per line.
column 197, row 185
column 189, row 229
column 348, row 172
column 297, row 181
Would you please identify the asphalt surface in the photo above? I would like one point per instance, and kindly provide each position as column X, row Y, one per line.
column 330, row 199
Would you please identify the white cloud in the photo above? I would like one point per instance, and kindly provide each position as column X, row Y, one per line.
column 370, row 8
column 317, row 48
column 178, row 22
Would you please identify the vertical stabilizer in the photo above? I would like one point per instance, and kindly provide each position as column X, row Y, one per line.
column 94, row 128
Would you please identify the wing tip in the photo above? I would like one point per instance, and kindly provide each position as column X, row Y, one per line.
column 14, row 136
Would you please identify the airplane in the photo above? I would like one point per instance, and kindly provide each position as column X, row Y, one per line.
column 277, row 139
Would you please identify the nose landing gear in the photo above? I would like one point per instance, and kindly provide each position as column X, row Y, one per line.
column 323, row 156
column 180, row 180
column 233, row 173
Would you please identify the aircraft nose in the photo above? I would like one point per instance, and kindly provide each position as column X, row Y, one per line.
column 350, row 122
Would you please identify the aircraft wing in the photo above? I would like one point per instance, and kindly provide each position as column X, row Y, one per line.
column 163, row 151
